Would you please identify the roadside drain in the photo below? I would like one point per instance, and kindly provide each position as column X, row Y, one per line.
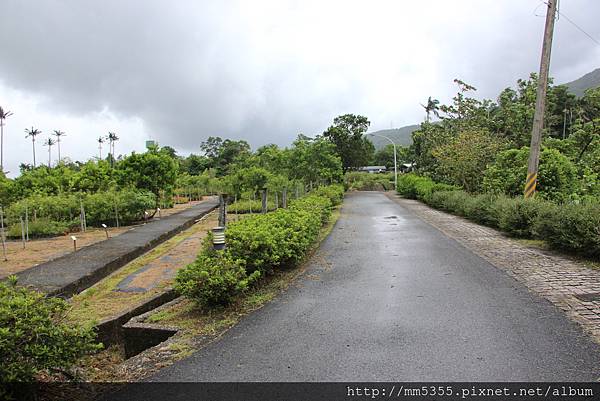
column 128, row 330
column 140, row 338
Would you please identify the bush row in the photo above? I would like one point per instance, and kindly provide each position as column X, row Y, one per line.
column 250, row 206
column 363, row 181
column 53, row 215
column 572, row 227
column 413, row 186
column 256, row 245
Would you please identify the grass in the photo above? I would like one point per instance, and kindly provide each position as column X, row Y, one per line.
column 101, row 301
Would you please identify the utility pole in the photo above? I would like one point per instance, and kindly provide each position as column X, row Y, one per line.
column 540, row 104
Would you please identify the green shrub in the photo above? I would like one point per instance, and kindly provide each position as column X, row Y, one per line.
column 450, row 201
column 484, row 208
column 34, row 336
column 407, row 185
column 41, row 228
column 267, row 241
column 256, row 245
column 363, row 181
column 413, row 186
column 335, row 193
column 571, row 227
column 130, row 204
column 213, row 279
column 57, row 208
column 250, row 206
column 517, row 216
column 557, row 177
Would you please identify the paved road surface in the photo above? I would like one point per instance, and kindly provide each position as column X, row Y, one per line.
column 390, row 298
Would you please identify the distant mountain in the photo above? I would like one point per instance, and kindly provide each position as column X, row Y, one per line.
column 401, row 136
column 589, row 80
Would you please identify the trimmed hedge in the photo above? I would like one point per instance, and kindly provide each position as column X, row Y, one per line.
column 413, row 186
column 256, row 245
column 572, row 227
column 34, row 336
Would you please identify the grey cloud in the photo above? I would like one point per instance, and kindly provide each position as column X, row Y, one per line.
column 191, row 69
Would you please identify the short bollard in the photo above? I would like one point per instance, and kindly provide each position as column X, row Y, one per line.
column 159, row 215
column 145, row 217
column 74, row 238
column 105, row 229
column 218, row 238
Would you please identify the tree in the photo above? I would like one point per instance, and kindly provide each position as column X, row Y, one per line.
column 100, row 142
column 94, row 176
column 49, row 142
column 154, row 171
column 347, row 134
column 385, row 156
column 314, row 160
column 170, row 151
column 58, row 134
column 194, row 164
column 32, row 133
column 112, row 138
column 431, row 107
column 464, row 159
column 223, row 153
column 4, row 114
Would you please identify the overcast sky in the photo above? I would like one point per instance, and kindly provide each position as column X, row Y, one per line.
column 264, row 71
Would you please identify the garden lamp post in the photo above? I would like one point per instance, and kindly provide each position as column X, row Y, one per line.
column 395, row 159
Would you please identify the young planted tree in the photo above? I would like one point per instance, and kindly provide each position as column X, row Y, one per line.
column 3, row 115
column 50, row 142
column 58, row 134
column 32, row 133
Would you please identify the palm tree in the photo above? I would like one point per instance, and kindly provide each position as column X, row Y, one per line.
column 58, row 134
column 112, row 138
column 100, row 142
column 3, row 115
column 431, row 107
column 32, row 133
column 49, row 142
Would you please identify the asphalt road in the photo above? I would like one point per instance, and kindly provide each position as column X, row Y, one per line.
column 390, row 298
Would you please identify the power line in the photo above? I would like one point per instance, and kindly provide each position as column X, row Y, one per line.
column 578, row 27
column 569, row 20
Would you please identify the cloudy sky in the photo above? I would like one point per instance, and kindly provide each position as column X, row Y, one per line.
column 264, row 71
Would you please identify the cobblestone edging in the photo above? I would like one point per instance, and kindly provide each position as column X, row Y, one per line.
column 556, row 278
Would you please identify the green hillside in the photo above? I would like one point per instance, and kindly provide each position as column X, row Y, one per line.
column 401, row 136
column 589, row 80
